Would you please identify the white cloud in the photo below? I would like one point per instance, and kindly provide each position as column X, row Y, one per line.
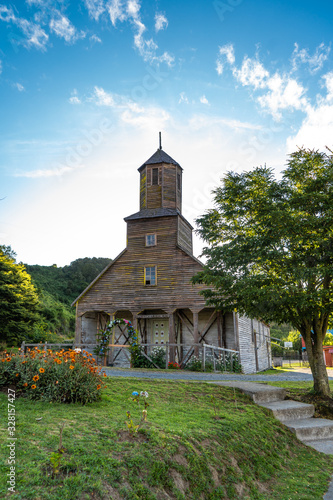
column 103, row 98
column 74, row 99
column 94, row 38
column 53, row 172
column 6, row 14
column 279, row 92
column 116, row 11
column 283, row 93
column 252, row 73
column 226, row 52
column 161, row 22
column 204, row 100
column 328, row 78
column 315, row 62
column 0, row 67
column 316, row 130
column 130, row 11
column 35, row 35
column 63, row 28
column 19, row 87
column 95, row 8
column 183, row 98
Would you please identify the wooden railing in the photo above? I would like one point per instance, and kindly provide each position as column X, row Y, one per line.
column 218, row 358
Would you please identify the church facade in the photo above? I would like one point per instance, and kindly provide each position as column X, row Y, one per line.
column 149, row 283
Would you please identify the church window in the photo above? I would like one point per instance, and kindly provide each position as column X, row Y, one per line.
column 178, row 182
column 154, row 177
column 150, row 240
column 150, row 275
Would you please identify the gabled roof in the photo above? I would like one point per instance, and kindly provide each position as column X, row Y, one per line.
column 159, row 157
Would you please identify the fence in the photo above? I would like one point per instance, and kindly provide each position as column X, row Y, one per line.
column 193, row 357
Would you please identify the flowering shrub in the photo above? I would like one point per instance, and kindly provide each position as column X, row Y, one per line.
column 173, row 366
column 70, row 376
column 194, row 364
column 158, row 355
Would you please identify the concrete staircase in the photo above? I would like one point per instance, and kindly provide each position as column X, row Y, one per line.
column 298, row 417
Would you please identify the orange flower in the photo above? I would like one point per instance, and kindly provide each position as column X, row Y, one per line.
column 17, row 375
column 104, row 374
column 35, row 378
column 25, row 384
column 8, row 359
column 98, row 387
column 41, row 370
column 33, row 386
column 71, row 367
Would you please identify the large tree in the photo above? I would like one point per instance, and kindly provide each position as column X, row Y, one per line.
column 19, row 302
column 270, row 249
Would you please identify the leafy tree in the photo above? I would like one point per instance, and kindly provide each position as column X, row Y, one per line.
column 19, row 302
column 270, row 252
column 328, row 340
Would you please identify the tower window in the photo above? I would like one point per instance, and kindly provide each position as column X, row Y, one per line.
column 178, row 181
column 150, row 275
column 150, row 240
column 154, row 177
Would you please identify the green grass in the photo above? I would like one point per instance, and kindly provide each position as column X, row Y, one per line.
column 183, row 452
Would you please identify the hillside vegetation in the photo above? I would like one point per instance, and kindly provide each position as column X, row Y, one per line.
column 199, row 441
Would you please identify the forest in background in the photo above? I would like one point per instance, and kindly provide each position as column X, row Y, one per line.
column 58, row 287
column 36, row 300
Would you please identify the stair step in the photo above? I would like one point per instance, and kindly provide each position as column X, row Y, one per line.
column 311, row 429
column 323, row 445
column 289, row 410
column 260, row 393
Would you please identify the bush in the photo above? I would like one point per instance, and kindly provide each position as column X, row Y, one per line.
column 70, row 376
column 158, row 356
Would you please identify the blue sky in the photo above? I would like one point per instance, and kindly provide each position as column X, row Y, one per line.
column 86, row 86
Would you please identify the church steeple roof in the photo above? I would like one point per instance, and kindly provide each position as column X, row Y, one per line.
column 159, row 156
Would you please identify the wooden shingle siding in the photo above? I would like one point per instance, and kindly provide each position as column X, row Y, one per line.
column 253, row 339
column 184, row 235
column 169, row 186
column 143, row 189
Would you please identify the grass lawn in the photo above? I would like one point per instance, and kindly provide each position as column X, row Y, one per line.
column 187, row 449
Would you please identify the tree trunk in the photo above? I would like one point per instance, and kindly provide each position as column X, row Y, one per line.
column 314, row 349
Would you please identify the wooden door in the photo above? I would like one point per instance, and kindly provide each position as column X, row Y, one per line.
column 159, row 331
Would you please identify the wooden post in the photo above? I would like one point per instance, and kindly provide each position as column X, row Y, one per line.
column 204, row 358
column 167, row 355
column 196, row 332
column 172, row 337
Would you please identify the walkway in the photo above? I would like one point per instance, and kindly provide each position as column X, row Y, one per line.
column 296, row 375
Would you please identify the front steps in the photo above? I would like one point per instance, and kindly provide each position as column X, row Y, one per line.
column 298, row 417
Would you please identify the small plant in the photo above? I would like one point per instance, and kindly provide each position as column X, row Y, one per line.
column 214, row 401
column 56, row 456
column 132, row 427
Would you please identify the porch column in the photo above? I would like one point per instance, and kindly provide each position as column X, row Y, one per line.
column 78, row 329
column 196, row 331
column 172, row 338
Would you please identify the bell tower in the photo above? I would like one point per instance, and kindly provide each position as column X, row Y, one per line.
column 161, row 182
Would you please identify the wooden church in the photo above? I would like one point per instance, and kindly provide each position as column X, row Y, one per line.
column 149, row 283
